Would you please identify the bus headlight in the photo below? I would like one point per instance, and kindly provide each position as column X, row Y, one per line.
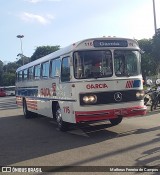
column 90, row 99
column 140, row 95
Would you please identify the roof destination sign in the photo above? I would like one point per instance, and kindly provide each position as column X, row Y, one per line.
column 110, row 43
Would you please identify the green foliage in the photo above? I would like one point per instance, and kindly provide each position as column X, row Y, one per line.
column 1, row 67
column 22, row 59
column 43, row 51
column 146, row 45
column 7, row 72
column 148, row 63
column 10, row 67
column 156, row 49
column 1, row 72
column 8, row 79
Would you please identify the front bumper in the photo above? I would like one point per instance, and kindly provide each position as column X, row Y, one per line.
column 109, row 114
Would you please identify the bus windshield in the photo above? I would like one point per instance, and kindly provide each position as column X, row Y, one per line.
column 126, row 62
column 98, row 64
column 93, row 64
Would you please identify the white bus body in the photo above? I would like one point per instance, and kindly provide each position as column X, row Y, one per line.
column 94, row 79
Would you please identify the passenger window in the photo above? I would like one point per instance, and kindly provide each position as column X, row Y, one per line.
column 20, row 76
column 65, row 72
column 30, row 73
column 25, row 74
column 37, row 71
column 45, row 70
column 55, row 67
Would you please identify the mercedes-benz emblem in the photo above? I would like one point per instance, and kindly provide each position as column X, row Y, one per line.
column 118, row 96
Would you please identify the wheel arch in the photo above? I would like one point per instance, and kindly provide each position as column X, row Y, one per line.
column 54, row 105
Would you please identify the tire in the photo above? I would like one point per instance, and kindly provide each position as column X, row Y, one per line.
column 63, row 126
column 116, row 121
column 26, row 113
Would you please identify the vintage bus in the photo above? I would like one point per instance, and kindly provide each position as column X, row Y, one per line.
column 10, row 90
column 91, row 80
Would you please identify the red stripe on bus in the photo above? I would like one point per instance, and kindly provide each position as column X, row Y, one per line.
column 19, row 103
column 28, row 103
column 129, row 84
column 108, row 114
column 32, row 108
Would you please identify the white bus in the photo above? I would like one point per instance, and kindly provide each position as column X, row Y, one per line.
column 91, row 80
column 10, row 90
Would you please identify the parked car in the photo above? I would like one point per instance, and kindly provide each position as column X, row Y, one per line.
column 2, row 92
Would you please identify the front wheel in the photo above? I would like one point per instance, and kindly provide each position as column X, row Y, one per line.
column 63, row 126
column 116, row 121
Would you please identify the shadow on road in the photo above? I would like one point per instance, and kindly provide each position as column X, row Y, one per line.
column 23, row 139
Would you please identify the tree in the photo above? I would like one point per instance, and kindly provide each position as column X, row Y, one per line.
column 156, row 50
column 1, row 72
column 8, row 75
column 148, row 63
column 22, row 59
column 10, row 67
column 43, row 51
column 8, row 79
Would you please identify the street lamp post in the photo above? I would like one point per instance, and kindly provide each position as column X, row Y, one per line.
column 154, row 14
column 20, row 37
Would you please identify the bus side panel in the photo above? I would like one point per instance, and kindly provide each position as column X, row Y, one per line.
column 67, row 111
column 19, row 101
column 65, row 96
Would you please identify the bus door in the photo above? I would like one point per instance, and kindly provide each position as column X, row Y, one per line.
column 64, row 91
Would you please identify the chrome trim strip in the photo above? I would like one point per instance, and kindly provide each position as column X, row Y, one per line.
column 105, row 113
column 142, row 109
column 47, row 99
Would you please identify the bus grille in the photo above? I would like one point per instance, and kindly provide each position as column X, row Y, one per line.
column 111, row 97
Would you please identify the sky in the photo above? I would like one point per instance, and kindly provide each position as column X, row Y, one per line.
column 63, row 22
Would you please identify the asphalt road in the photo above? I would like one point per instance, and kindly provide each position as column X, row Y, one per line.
column 38, row 142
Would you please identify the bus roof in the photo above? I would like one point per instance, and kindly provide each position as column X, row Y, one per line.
column 83, row 44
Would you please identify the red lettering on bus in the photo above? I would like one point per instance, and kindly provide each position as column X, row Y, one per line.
column 96, row 86
column 45, row 92
column 66, row 109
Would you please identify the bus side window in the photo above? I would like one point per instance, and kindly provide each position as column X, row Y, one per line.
column 25, row 74
column 37, row 72
column 55, row 68
column 16, row 76
column 30, row 73
column 45, row 70
column 20, row 76
column 65, row 70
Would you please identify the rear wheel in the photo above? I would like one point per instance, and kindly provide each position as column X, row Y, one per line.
column 63, row 126
column 116, row 121
column 26, row 113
